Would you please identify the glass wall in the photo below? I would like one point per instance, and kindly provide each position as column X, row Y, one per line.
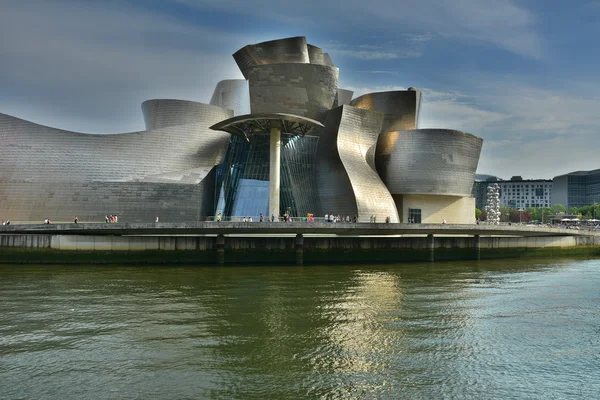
column 243, row 177
column 415, row 215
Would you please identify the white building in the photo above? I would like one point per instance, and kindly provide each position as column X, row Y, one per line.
column 518, row 193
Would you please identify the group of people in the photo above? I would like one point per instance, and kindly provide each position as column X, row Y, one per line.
column 111, row 219
column 338, row 218
column 7, row 222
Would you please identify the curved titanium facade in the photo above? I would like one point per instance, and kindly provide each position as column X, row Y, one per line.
column 161, row 113
column 400, row 108
column 306, row 90
column 289, row 50
column 344, row 97
column 315, row 55
column 233, row 94
column 166, row 171
column 347, row 181
column 428, row 161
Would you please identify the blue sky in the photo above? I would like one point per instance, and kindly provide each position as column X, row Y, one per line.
column 523, row 75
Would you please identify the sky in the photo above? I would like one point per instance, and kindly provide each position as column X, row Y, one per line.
column 523, row 75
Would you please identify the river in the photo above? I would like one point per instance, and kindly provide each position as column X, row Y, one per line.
column 483, row 330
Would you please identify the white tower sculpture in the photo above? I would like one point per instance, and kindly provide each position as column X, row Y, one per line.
column 492, row 207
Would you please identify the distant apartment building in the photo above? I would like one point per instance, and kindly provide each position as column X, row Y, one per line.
column 577, row 189
column 516, row 193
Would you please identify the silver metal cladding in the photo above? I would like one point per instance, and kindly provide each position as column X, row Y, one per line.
column 428, row 161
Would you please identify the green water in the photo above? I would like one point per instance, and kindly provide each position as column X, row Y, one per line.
column 481, row 330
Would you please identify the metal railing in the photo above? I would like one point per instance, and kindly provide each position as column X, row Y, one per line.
column 257, row 218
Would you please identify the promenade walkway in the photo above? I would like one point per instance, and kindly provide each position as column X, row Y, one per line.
column 304, row 228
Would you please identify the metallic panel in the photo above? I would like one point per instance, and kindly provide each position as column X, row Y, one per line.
column 301, row 89
column 347, row 181
column 51, row 173
column 161, row 113
column 315, row 55
column 344, row 97
column 327, row 60
column 428, row 161
column 233, row 94
column 249, row 125
column 288, row 50
column 400, row 107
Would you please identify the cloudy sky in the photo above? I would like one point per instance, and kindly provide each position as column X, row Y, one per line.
column 524, row 75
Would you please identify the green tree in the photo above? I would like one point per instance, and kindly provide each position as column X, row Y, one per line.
column 557, row 209
column 504, row 214
column 573, row 210
column 477, row 213
column 539, row 213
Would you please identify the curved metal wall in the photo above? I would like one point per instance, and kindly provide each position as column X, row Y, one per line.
column 47, row 172
column 428, row 161
column 347, row 181
column 233, row 94
column 288, row 50
column 161, row 113
column 344, row 97
column 315, row 55
column 400, row 108
column 307, row 90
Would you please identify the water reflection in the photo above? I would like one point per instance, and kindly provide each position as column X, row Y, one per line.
column 481, row 329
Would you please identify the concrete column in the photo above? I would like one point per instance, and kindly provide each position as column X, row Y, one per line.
column 220, row 246
column 299, row 249
column 477, row 247
column 431, row 247
column 274, row 172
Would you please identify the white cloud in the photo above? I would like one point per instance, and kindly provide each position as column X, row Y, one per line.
column 528, row 131
column 69, row 59
column 498, row 23
column 409, row 46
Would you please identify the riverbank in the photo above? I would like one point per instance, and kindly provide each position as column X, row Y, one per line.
column 216, row 250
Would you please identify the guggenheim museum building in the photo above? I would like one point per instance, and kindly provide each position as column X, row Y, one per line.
column 284, row 139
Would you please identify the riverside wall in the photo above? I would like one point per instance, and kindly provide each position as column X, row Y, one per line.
column 65, row 249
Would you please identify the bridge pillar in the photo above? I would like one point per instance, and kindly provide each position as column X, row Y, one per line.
column 477, row 247
column 220, row 246
column 431, row 248
column 299, row 249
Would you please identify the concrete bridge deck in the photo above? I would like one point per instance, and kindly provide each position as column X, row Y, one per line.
column 288, row 228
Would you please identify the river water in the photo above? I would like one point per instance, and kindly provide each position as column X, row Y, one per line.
column 481, row 330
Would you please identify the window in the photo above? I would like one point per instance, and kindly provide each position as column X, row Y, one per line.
column 415, row 215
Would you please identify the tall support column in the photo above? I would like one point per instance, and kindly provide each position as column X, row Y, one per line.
column 299, row 249
column 477, row 247
column 274, row 171
column 431, row 247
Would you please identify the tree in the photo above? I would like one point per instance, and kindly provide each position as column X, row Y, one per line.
column 477, row 213
column 557, row 209
column 519, row 216
column 483, row 216
column 539, row 213
column 573, row 210
column 504, row 214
